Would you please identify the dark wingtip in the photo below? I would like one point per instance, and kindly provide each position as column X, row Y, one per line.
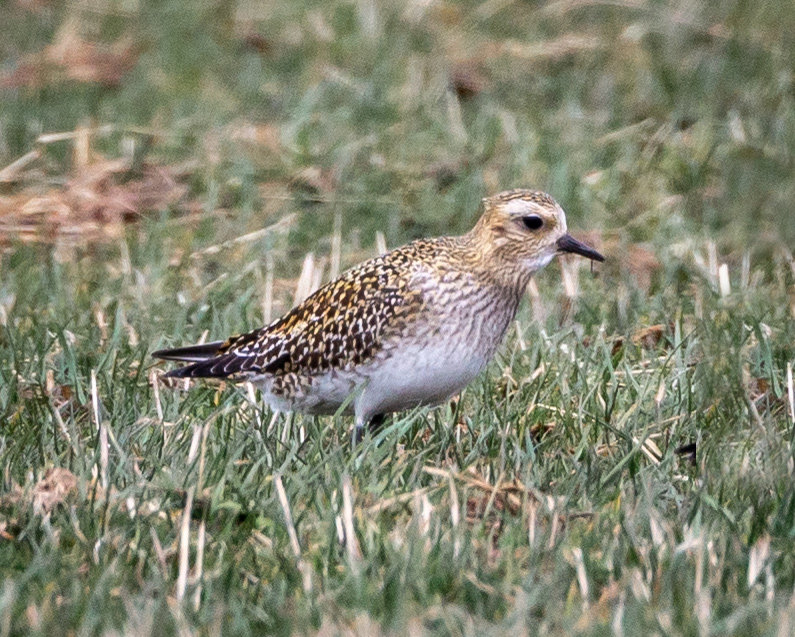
column 203, row 369
column 180, row 372
column 191, row 353
column 202, row 359
column 225, row 365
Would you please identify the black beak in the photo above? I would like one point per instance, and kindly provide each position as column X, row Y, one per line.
column 567, row 243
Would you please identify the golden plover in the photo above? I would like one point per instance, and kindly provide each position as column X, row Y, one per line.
column 408, row 328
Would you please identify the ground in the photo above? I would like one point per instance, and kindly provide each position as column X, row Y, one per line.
column 181, row 170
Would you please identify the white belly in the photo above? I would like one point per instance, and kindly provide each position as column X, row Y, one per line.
column 418, row 376
column 409, row 378
column 425, row 365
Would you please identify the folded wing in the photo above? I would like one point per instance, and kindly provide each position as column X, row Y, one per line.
column 343, row 323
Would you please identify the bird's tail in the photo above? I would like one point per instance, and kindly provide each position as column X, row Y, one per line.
column 191, row 353
column 196, row 354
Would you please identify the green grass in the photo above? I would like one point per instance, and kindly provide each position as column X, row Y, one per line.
column 550, row 499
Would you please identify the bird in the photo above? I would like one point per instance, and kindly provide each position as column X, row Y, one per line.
column 409, row 328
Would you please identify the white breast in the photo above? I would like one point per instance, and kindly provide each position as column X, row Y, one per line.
column 429, row 371
column 418, row 376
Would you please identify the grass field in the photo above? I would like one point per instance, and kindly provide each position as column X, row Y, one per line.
column 178, row 170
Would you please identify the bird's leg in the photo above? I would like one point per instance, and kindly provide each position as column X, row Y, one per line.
column 374, row 424
column 358, row 433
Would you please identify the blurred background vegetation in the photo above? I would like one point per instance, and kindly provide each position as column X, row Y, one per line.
column 179, row 169
column 647, row 119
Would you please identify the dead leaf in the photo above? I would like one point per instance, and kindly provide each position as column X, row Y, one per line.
column 93, row 204
column 445, row 173
column 646, row 337
column 103, row 193
column 314, row 182
column 33, row 6
column 467, row 80
column 264, row 136
column 58, row 483
column 642, row 264
column 257, row 42
column 687, row 451
column 71, row 57
column 540, row 429
column 649, row 337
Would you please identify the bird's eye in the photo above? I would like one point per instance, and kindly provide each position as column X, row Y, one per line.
column 533, row 222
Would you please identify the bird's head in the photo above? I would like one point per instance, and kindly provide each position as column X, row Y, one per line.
column 526, row 229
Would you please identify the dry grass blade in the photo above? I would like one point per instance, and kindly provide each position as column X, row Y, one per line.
column 200, row 542
column 267, row 293
column 351, row 542
column 336, row 247
column 582, row 576
column 184, row 547
column 281, row 226
column 11, row 172
column 304, row 286
column 550, row 49
column 403, row 498
column 791, row 394
column 303, row 567
column 503, row 492
column 58, row 484
column 103, row 433
column 380, row 243
column 184, row 534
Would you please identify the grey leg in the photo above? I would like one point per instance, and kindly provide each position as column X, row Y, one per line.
column 358, row 435
column 373, row 425
column 376, row 422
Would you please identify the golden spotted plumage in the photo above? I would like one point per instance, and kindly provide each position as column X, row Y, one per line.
column 410, row 327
